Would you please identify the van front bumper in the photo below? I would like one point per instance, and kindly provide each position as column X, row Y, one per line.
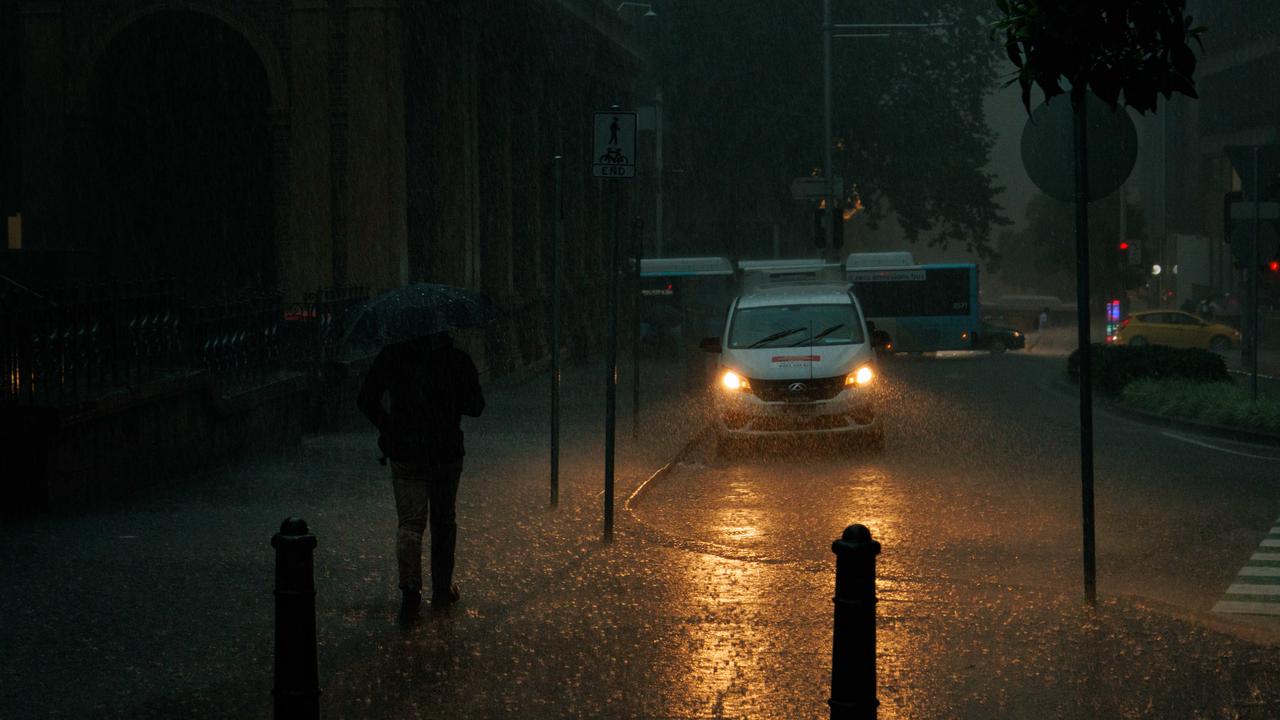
column 852, row 411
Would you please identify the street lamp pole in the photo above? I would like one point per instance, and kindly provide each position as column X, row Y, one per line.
column 828, row 200
column 828, row 32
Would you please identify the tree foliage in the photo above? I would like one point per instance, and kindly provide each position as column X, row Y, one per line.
column 743, row 89
column 1125, row 52
column 1041, row 255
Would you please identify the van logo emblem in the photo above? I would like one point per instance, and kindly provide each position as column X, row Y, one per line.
column 796, row 387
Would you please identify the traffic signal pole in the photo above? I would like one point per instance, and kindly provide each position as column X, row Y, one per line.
column 1254, row 279
column 828, row 33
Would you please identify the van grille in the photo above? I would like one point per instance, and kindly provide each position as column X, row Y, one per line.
column 780, row 390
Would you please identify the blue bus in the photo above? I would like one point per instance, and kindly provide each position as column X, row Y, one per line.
column 923, row 308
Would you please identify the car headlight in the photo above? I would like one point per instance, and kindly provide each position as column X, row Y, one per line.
column 862, row 376
column 734, row 382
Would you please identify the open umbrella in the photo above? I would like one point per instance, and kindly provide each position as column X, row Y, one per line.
column 415, row 310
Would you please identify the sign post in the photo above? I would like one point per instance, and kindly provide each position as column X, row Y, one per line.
column 614, row 158
column 638, row 227
column 1258, row 166
column 557, row 241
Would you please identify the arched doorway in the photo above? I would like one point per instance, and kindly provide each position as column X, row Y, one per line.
column 184, row 162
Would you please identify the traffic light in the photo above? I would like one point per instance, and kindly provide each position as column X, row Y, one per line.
column 837, row 227
column 1123, row 249
column 1274, row 266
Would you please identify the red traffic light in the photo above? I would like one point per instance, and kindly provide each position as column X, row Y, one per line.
column 1274, row 266
column 1124, row 246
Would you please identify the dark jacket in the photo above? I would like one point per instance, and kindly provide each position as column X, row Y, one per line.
column 430, row 385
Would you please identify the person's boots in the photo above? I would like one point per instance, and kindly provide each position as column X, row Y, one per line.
column 410, row 599
column 446, row 598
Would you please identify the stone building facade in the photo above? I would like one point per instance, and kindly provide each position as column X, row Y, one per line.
column 288, row 145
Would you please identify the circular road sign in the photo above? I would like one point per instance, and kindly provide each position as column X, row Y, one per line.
column 1048, row 148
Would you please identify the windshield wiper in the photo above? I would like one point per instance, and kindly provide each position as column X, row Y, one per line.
column 819, row 336
column 776, row 336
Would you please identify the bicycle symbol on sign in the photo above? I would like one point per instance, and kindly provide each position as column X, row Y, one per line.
column 614, row 157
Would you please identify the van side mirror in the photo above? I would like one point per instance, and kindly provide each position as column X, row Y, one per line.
column 880, row 340
column 711, row 345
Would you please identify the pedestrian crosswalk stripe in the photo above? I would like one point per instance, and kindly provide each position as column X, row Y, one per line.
column 1256, row 589
column 1260, row 571
column 1249, row 589
column 1247, row 608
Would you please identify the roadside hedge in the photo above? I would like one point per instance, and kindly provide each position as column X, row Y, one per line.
column 1115, row 366
column 1214, row 403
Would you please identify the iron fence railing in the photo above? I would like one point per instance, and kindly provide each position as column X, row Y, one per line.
column 68, row 346
column 238, row 341
column 320, row 320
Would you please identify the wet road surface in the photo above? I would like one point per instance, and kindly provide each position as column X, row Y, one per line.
column 980, row 481
column 714, row 599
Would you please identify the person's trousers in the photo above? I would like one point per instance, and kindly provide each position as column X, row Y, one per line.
column 426, row 492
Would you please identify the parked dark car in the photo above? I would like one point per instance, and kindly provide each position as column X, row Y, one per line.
column 997, row 338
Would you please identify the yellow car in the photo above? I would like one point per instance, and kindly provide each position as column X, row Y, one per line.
column 1177, row 329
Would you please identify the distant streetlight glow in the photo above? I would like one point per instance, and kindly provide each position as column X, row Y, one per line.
column 648, row 8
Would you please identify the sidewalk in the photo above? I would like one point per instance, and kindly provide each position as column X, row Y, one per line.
column 552, row 623
column 164, row 609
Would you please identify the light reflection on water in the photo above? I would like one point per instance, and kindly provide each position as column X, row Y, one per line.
column 759, row 633
column 724, row 672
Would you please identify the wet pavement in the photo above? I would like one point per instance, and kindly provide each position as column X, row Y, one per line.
column 713, row 601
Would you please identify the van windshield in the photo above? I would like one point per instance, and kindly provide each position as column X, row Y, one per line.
column 795, row 325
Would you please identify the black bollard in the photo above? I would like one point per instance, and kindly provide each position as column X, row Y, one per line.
column 853, row 643
column 297, row 682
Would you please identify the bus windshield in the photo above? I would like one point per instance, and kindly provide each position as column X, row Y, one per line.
column 795, row 325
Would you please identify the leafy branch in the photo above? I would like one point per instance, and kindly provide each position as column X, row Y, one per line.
column 1125, row 52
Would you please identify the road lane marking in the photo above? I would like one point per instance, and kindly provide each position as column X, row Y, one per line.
column 1211, row 446
column 1256, row 589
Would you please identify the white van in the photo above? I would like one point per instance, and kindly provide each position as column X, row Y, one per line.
column 796, row 360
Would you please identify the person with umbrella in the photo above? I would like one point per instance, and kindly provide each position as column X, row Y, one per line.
column 428, row 384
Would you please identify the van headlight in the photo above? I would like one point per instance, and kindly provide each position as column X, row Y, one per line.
column 733, row 382
column 860, row 377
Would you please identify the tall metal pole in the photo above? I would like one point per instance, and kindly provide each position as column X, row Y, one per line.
column 657, row 174
column 1253, row 281
column 611, row 383
column 829, row 193
column 1078, row 97
column 635, row 331
column 557, row 242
